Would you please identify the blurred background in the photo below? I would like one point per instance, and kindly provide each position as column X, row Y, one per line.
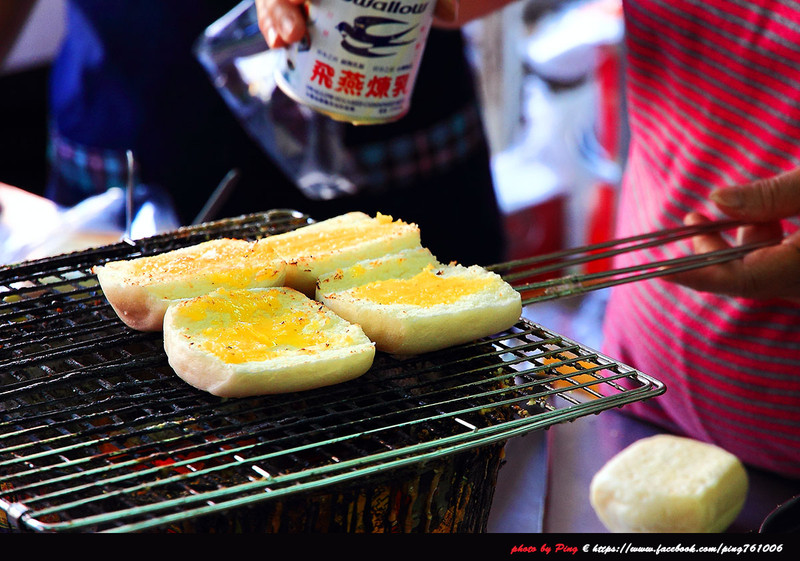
column 550, row 82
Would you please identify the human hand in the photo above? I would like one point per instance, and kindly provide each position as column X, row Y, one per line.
column 769, row 272
column 282, row 21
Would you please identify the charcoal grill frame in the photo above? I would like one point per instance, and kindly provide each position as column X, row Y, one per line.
column 97, row 434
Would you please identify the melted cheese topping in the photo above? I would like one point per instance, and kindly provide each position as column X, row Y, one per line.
column 309, row 240
column 242, row 326
column 425, row 289
column 233, row 263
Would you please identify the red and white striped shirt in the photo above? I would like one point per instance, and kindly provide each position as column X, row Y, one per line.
column 713, row 100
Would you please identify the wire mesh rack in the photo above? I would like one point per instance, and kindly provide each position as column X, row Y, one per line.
column 97, row 434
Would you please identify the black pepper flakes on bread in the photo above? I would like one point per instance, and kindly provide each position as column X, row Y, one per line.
column 139, row 290
column 337, row 242
column 238, row 343
column 409, row 303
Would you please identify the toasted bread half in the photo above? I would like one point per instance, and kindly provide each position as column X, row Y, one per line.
column 409, row 303
column 338, row 242
column 140, row 289
column 237, row 343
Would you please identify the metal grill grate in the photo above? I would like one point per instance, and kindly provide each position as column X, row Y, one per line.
column 98, row 434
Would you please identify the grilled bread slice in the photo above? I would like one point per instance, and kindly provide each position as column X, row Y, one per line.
column 409, row 303
column 237, row 343
column 140, row 289
column 338, row 242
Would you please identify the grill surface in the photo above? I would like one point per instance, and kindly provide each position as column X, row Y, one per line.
column 98, row 434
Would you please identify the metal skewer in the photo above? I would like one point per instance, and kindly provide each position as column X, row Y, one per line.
column 218, row 197
column 129, row 187
column 577, row 284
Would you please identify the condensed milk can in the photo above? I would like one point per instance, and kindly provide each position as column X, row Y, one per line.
column 360, row 58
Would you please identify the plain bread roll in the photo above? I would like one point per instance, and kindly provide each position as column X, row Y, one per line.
column 236, row 343
column 667, row 483
column 321, row 247
column 409, row 303
column 140, row 289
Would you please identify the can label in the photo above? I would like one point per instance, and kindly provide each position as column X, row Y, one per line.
column 360, row 59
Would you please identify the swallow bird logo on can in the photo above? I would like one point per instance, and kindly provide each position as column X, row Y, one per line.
column 360, row 59
column 366, row 36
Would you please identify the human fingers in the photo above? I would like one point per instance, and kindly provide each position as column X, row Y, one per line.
column 759, row 232
column 769, row 272
column 709, row 278
column 763, row 200
column 446, row 10
column 281, row 21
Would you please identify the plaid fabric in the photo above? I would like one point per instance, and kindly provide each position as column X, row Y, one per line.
column 399, row 161
column 79, row 171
